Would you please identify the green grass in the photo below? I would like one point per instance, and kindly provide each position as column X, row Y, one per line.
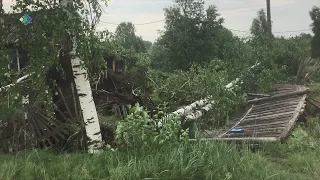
column 298, row 159
column 300, row 154
column 189, row 161
column 315, row 91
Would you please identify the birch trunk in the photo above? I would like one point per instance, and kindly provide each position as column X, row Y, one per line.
column 204, row 103
column 198, row 113
column 87, row 105
column 25, row 99
column 13, row 84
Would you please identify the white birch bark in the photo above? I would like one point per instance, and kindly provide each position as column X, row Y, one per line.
column 87, row 105
column 4, row 88
column 25, row 99
column 204, row 103
column 198, row 113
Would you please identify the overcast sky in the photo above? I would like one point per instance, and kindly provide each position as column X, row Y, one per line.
column 287, row 15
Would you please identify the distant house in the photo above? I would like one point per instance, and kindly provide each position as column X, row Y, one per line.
column 115, row 65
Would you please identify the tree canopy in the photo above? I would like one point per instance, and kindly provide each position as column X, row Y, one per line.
column 126, row 33
column 190, row 35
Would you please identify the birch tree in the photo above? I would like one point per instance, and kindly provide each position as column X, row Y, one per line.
column 89, row 112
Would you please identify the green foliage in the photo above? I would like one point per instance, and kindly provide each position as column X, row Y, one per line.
column 190, row 35
column 139, row 131
column 125, row 32
column 182, row 87
column 50, row 34
column 260, row 27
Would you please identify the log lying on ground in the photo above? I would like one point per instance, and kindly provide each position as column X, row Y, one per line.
column 205, row 103
column 198, row 113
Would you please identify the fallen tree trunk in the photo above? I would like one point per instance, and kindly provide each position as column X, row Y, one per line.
column 198, row 113
column 205, row 103
column 17, row 82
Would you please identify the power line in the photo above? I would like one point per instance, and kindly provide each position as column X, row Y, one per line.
column 152, row 22
column 235, row 30
column 293, row 31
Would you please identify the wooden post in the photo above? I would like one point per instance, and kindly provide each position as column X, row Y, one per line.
column 114, row 66
column 1, row 7
column 269, row 18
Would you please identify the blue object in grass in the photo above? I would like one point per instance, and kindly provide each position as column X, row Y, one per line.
column 236, row 130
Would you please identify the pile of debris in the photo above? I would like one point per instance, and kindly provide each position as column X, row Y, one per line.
column 65, row 130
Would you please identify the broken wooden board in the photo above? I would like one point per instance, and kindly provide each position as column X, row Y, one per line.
column 267, row 118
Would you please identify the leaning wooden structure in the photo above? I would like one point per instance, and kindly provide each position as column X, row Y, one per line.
column 267, row 117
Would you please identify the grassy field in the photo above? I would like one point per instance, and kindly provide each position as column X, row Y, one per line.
column 297, row 159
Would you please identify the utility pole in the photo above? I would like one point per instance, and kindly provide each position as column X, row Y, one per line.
column 269, row 17
column 1, row 6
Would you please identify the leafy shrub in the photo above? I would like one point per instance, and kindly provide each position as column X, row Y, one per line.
column 183, row 87
column 138, row 131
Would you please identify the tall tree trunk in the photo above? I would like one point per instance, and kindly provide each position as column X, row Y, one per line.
column 87, row 105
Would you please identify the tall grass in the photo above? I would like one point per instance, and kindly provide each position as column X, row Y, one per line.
column 187, row 161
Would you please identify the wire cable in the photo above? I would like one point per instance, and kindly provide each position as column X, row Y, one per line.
column 152, row 22
column 235, row 30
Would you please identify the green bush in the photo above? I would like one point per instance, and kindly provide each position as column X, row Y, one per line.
column 139, row 131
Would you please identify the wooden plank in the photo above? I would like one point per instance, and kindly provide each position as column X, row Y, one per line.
column 278, row 101
column 260, row 95
column 275, row 111
column 276, row 124
column 293, row 102
column 255, row 134
column 274, row 131
column 239, row 121
column 35, row 126
column 269, row 120
column 264, row 128
column 306, row 90
column 268, row 116
column 294, row 118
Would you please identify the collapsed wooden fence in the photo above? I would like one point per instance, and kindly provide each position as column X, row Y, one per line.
column 268, row 118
